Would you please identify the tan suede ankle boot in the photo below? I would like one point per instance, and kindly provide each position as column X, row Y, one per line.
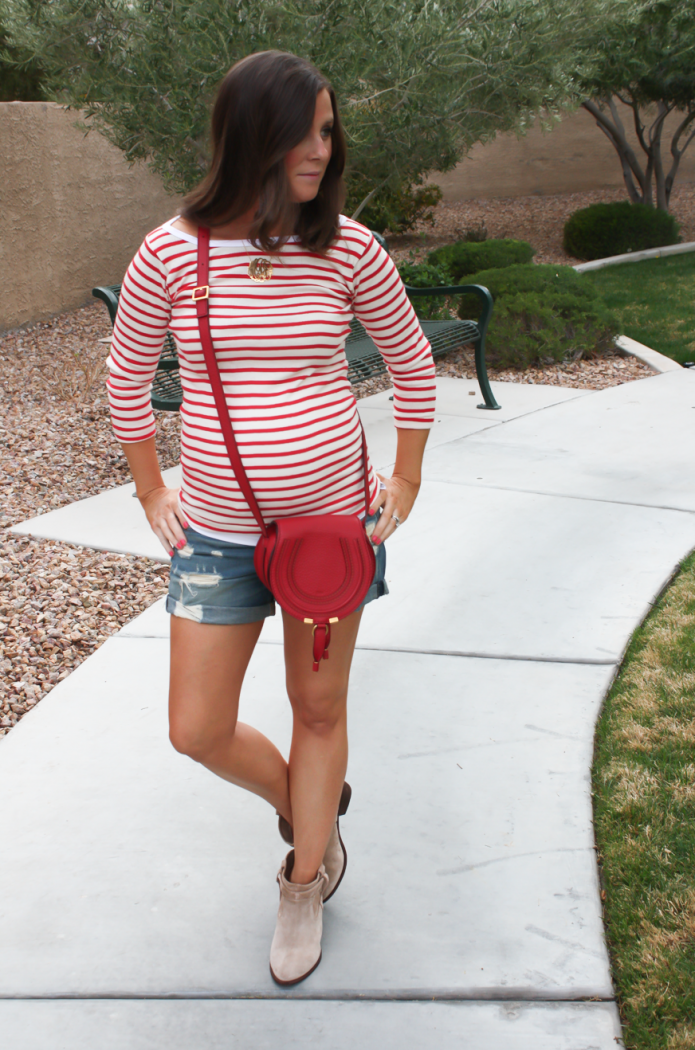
column 335, row 857
column 296, row 948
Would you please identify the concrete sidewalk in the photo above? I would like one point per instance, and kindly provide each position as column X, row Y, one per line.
column 138, row 891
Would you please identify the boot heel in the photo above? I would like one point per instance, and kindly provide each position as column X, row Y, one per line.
column 285, row 828
column 345, row 796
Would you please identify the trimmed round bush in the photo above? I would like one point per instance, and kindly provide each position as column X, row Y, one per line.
column 542, row 314
column 602, row 230
column 466, row 257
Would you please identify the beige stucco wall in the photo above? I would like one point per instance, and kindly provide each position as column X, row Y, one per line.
column 73, row 211
column 573, row 157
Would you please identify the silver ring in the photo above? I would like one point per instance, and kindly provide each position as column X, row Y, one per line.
column 395, row 518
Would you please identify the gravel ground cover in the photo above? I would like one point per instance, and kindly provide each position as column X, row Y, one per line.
column 58, row 603
column 608, row 370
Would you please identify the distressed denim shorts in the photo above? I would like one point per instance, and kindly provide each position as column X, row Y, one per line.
column 212, row 581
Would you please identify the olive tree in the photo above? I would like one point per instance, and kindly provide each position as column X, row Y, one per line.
column 20, row 74
column 419, row 81
column 644, row 56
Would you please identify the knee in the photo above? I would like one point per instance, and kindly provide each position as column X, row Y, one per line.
column 197, row 742
column 318, row 712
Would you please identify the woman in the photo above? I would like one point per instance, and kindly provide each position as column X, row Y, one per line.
column 287, row 275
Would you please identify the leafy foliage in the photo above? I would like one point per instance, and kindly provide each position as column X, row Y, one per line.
column 602, row 230
column 423, row 275
column 427, row 275
column 418, row 83
column 20, row 77
column 642, row 54
column 466, row 257
column 542, row 314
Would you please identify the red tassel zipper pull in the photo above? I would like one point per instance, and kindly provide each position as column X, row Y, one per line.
column 322, row 639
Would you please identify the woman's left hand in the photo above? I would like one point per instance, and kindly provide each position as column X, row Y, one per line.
column 396, row 501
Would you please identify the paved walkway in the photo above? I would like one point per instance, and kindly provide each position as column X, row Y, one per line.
column 138, row 891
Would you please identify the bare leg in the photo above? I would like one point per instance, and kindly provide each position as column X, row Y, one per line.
column 208, row 664
column 318, row 756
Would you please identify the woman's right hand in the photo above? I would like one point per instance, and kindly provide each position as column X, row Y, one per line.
column 166, row 518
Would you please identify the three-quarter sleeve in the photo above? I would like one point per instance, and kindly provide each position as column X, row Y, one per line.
column 144, row 311
column 380, row 303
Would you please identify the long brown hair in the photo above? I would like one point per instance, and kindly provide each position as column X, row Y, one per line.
column 264, row 108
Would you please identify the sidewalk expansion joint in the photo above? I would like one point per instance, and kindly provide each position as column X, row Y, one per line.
column 472, row 655
column 611, row 661
column 562, row 495
column 496, row 995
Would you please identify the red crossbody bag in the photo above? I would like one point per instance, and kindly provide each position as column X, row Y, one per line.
column 317, row 567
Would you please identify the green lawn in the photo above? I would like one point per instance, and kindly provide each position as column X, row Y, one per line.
column 654, row 301
column 644, row 811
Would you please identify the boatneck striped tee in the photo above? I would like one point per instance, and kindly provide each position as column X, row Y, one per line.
column 280, row 346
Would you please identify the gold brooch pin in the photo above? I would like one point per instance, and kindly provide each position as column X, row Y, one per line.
column 260, row 270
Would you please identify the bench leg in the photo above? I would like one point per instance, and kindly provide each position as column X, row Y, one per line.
column 481, row 372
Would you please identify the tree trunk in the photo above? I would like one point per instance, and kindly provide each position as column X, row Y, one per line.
column 647, row 149
column 637, row 180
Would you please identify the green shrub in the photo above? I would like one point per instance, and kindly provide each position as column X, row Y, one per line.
column 602, row 230
column 542, row 314
column 395, row 209
column 467, row 257
column 427, row 275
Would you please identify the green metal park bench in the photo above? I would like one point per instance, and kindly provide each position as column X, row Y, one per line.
column 364, row 360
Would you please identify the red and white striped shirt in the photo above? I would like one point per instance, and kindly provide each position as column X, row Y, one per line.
column 280, row 346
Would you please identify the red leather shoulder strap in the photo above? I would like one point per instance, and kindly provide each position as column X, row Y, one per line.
column 201, row 296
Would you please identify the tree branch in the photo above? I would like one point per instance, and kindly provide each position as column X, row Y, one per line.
column 655, row 143
column 677, row 152
column 363, row 204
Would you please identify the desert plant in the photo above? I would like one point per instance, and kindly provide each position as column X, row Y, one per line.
column 70, row 372
column 466, row 257
column 612, row 229
column 475, row 234
column 542, row 314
